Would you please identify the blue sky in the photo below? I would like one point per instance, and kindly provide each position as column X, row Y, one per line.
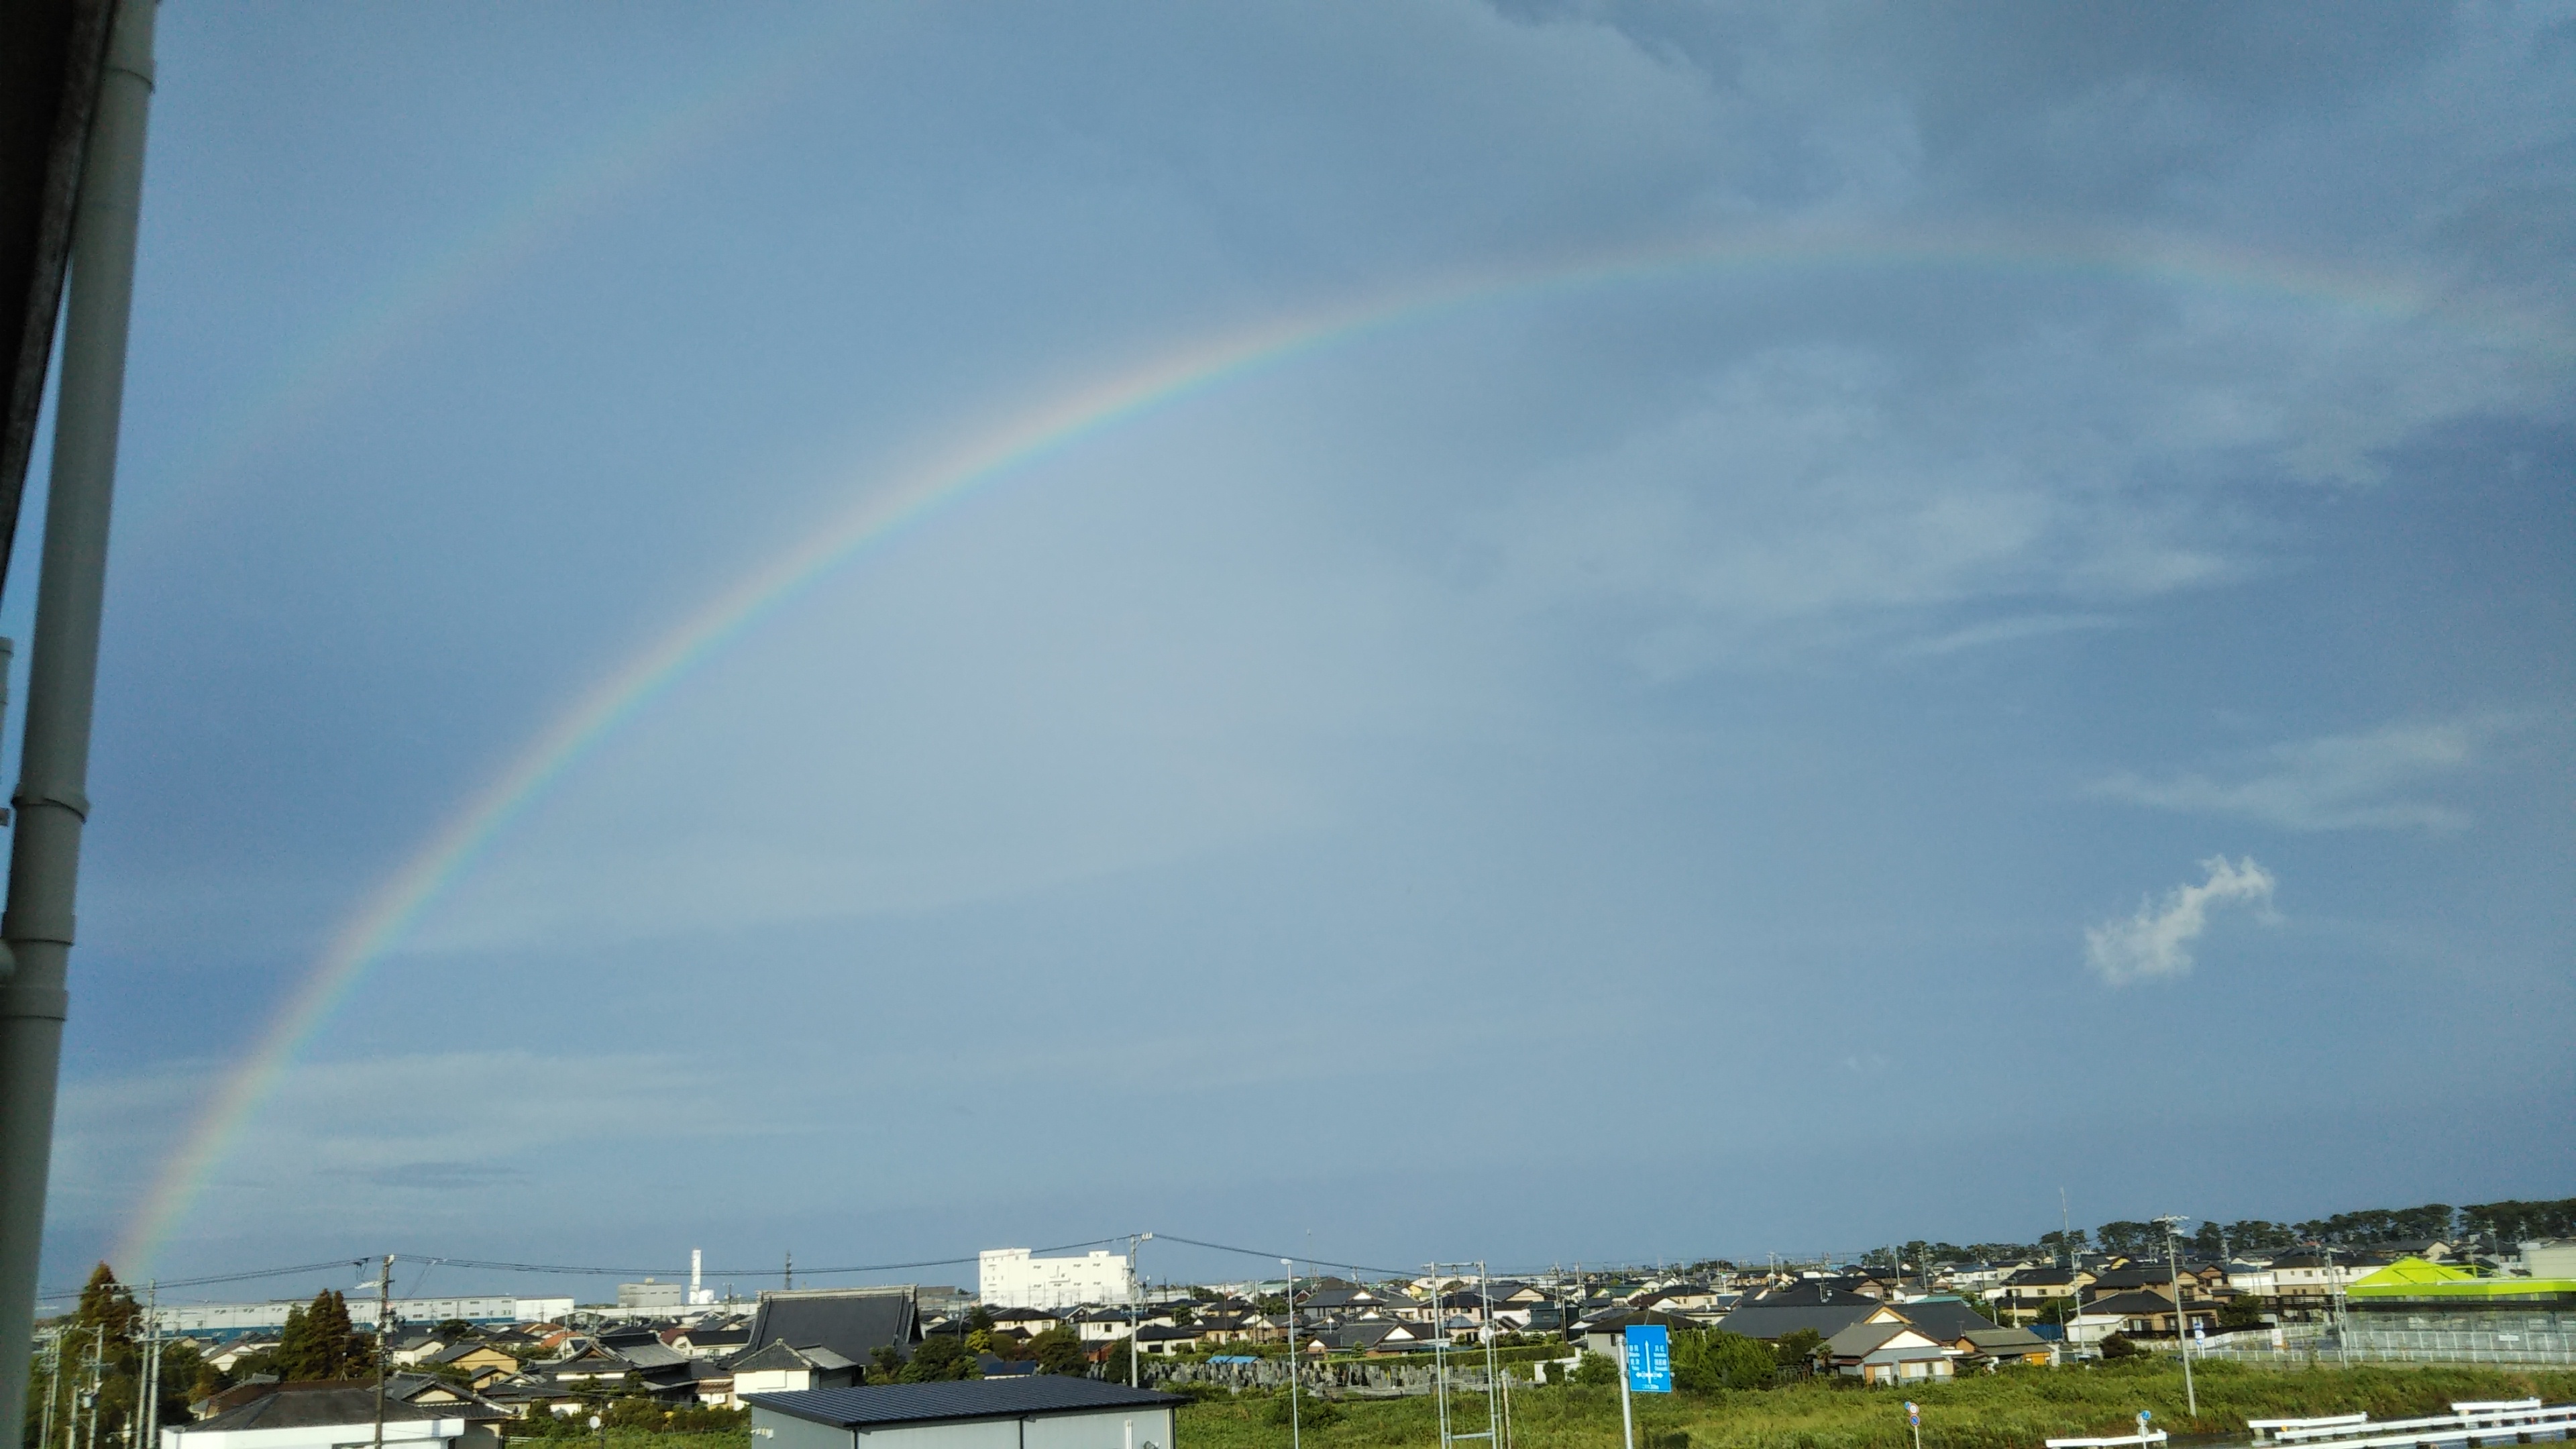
column 2054, row 667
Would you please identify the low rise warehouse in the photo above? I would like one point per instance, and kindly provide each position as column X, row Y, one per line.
column 1036, row 1412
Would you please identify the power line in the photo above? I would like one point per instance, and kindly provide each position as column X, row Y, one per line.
column 1275, row 1257
column 242, row 1277
column 562, row 1269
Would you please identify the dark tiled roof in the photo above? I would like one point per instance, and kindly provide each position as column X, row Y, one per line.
column 851, row 1324
column 1945, row 1320
column 964, row 1399
column 2133, row 1305
column 301, row 1406
column 1770, row 1321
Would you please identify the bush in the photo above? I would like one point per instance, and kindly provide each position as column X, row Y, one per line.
column 1704, row 1363
column 1596, row 1371
column 2119, row 1346
column 1310, row 1413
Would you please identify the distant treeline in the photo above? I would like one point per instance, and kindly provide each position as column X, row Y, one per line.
column 2504, row 1223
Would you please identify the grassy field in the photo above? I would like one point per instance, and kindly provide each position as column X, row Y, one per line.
column 2013, row 1410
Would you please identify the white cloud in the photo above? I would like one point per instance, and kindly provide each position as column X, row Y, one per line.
column 2334, row 782
column 2156, row 942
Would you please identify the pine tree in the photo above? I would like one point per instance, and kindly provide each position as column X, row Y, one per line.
column 295, row 1346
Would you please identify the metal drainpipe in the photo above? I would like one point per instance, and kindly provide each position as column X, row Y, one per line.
column 62, row 675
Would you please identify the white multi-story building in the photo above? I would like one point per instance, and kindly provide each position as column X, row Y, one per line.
column 1011, row 1278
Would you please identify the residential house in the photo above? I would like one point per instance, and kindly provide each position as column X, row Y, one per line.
column 1029, row 1322
column 231, row 1354
column 1946, row 1321
column 710, row 1340
column 778, row 1367
column 1604, row 1335
column 1107, row 1325
column 2310, row 1280
column 449, row 1398
column 476, row 1362
column 1771, row 1322
column 2021, row 1297
column 2145, row 1314
column 2252, row 1278
column 1884, row 1353
column 1691, row 1299
column 1166, row 1338
column 2008, row 1345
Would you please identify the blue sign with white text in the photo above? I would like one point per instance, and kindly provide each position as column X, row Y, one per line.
column 1650, row 1358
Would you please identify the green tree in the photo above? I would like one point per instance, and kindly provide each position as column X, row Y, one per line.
column 979, row 1319
column 2131, row 1240
column 1794, row 1350
column 2119, row 1346
column 938, row 1358
column 2242, row 1311
column 1595, row 1371
column 634, row 1411
column 1059, row 1351
column 321, row 1343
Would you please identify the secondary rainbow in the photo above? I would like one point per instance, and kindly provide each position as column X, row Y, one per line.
column 1064, row 422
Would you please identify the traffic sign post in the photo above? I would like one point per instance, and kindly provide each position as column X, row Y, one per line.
column 1914, row 1419
column 1650, row 1358
column 1645, row 1367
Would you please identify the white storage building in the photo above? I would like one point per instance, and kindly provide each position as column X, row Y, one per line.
column 1040, row 1411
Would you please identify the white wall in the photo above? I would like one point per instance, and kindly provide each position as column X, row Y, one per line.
column 224, row 1317
column 773, row 1430
column 1112, row 1429
column 1011, row 1278
column 970, row 1434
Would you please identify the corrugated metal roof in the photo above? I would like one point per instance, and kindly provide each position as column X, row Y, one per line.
column 964, row 1399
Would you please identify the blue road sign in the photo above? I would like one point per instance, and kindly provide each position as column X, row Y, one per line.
column 1650, row 1358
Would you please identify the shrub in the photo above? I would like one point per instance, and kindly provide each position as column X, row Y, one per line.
column 2119, row 1346
column 1596, row 1371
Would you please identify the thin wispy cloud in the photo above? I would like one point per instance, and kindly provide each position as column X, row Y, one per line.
column 2374, row 780
column 2155, row 944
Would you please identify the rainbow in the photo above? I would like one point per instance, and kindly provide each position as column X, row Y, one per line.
column 1065, row 422
column 415, row 299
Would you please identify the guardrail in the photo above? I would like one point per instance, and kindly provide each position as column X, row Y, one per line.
column 2500, row 1424
column 2152, row 1436
column 2322, row 1421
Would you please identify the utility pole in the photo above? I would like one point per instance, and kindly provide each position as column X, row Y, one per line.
column 62, row 676
column 1627, row 1416
column 147, row 1411
column 1295, row 1431
column 1135, row 1309
column 95, row 1342
column 384, row 1321
column 787, row 1281
column 53, row 1388
column 2182, row 1320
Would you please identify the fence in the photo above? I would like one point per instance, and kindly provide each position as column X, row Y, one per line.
column 1364, row 1380
column 2537, row 1339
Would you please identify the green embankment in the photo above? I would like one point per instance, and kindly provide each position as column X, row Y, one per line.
column 2011, row 1410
